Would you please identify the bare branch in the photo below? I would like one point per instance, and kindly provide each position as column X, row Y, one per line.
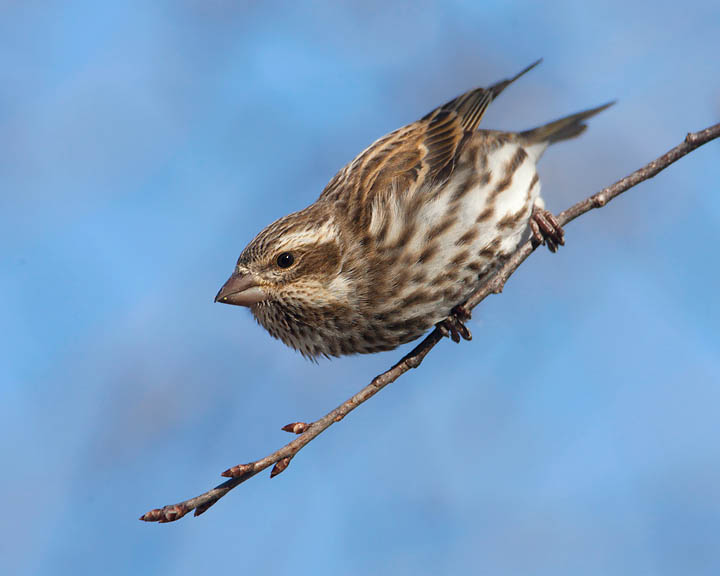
column 281, row 458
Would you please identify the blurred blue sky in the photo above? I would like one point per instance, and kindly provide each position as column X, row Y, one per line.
column 143, row 144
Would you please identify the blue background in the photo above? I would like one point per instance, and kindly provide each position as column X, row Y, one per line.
column 143, row 144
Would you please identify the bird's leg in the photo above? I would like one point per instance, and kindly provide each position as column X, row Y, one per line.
column 454, row 325
column 546, row 229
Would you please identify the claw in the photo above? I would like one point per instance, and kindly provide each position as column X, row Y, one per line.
column 546, row 229
column 454, row 325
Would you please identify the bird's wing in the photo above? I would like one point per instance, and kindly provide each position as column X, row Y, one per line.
column 423, row 151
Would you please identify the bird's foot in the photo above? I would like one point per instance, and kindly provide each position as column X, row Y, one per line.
column 546, row 229
column 454, row 325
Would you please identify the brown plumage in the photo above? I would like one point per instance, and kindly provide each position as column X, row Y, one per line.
column 402, row 234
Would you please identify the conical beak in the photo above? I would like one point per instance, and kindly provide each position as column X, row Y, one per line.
column 240, row 290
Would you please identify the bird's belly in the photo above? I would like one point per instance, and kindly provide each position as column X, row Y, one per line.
column 463, row 232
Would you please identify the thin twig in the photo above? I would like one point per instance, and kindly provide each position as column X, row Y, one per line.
column 281, row 458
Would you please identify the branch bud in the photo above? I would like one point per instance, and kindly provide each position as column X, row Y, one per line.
column 280, row 466
column 166, row 514
column 238, row 471
column 296, row 427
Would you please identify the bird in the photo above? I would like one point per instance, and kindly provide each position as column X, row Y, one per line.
column 403, row 234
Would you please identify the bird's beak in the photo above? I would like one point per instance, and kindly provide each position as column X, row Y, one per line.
column 241, row 290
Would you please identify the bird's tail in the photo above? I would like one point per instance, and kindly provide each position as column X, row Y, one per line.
column 562, row 129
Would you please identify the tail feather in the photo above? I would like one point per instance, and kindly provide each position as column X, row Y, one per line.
column 562, row 129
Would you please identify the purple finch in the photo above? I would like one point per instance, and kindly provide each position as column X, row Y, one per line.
column 403, row 234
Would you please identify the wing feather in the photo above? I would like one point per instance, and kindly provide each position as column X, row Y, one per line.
column 423, row 151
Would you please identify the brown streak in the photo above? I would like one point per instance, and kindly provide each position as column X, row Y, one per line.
column 415, row 298
column 486, row 214
column 462, row 189
column 427, row 253
column 476, row 266
column 408, row 231
column 511, row 220
column 491, row 249
column 468, row 237
column 484, row 179
column 510, row 168
column 459, row 259
column 440, row 227
column 419, row 277
column 535, row 180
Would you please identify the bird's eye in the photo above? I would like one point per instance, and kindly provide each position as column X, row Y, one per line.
column 285, row 260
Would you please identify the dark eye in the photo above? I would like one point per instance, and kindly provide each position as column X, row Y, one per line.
column 285, row 260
